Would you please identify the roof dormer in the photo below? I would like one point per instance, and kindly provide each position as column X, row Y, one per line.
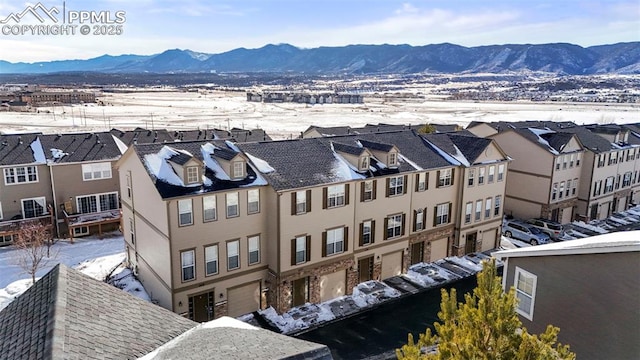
column 232, row 163
column 358, row 157
column 386, row 153
column 187, row 167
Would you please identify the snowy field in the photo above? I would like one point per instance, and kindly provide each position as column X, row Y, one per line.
column 90, row 255
column 189, row 110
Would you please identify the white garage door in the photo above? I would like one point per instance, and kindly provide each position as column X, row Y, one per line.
column 243, row 299
column 489, row 239
column 566, row 215
column 333, row 285
column 391, row 264
column 439, row 249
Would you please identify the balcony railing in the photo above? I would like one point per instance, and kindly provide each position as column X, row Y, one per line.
column 11, row 228
column 75, row 221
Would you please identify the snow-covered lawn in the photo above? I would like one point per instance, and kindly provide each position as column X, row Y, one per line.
column 90, row 255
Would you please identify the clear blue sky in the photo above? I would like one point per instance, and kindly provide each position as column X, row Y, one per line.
column 214, row 26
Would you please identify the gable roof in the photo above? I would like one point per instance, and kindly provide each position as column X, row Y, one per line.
column 546, row 138
column 68, row 148
column 67, row 314
column 142, row 136
column 228, row 338
column 18, row 149
column 348, row 149
column 379, row 146
column 607, row 243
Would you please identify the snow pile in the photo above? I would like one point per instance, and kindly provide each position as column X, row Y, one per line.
column 285, row 322
column 415, row 166
column 160, row 168
column 429, row 275
column 461, row 158
column 539, row 133
column 590, row 227
column 58, row 154
column 121, row 145
column 465, row 263
column 124, row 279
column 260, row 164
column 344, row 170
column 207, row 151
column 38, row 152
column 373, row 292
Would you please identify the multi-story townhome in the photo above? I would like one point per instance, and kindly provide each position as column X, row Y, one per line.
column 25, row 188
column 84, row 184
column 544, row 176
column 318, row 131
column 299, row 221
column 611, row 153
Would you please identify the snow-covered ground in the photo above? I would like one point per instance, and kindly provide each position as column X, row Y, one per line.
column 219, row 109
column 90, row 255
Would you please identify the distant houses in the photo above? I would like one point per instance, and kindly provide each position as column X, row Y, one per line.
column 305, row 98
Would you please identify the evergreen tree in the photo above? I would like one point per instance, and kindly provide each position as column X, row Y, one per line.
column 485, row 326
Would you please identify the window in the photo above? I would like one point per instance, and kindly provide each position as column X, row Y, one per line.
column 525, row 284
column 301, row 202
column 254, row 250
column 129, row 193
column 492, row 173
column 608, row 185
column 364, row 163
column 394, row 226
column 572, row 160
column 96, row 171
column 366, row 232
column 334, row 241
column 188, row 261
column 368, row 190
column 601, row 159
column 597, row 187
column 500, row 172
column 238, row 169
column 185, row 213
column 33, row 207
column 558, row 162
column 393, row 159
column 561, row 192
column 132, row 231
column 192, row 174
column 467, row 212
column 487, row 208
column 554, row 191
column 253, row 201
column 25, row 174
column 445, row 177
column 578, row 156
column 209, row 211
column 481, row 175
column 565, row 160
column 233, row 255
column 0, row 211
column 442, row 214
column 336, row 196
column 232, row 205
column 419, row 220
column 97, row 202
column 80, row 231
column 421, row 182
column 478, row 210
column 626, row 181
column 496, row 206
column 568, row 190
column 396, row 186
column 574, row 186
column 472, row 176
column 211, row 260
column 300, row 250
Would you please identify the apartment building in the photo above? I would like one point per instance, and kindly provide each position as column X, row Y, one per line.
column 609, row 177
column 300, row 220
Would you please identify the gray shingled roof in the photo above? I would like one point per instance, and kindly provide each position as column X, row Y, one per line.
column 80, row 147
column 221, row 339
column 373, row 145
column 348, row 149
column 470, row 146
column 68, row 315
column 142, row 136
column 16, row 149
column 235, row 135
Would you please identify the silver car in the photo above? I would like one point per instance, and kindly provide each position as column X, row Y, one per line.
column 524, row 232
column 549, row 227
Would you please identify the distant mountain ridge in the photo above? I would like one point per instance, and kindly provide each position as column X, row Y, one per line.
column 561, row 58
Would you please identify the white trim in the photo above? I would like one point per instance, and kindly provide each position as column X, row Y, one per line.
column 516, row 275
column 1, row 217
column 15, row 175
column 97, row 196
column 45, row 211
column 99, row 168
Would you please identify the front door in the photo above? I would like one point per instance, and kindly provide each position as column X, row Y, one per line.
column 594, row 212
column 555, row 215
column 365, row 269
column 417, row 251
column 201, row 307
column 300, row 292
column 470, row 246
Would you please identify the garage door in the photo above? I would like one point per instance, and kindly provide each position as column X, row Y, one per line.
column 243, row 299
column 391, row 264
column 489, row 239
column 333, row 285
column 566, row 215
column 439, row 249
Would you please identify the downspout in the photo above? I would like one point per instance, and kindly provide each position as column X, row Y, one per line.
column 55, row 201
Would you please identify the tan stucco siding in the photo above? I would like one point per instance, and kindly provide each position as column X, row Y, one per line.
column 11, row 195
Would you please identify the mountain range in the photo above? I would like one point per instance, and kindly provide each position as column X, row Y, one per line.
column 560, row 58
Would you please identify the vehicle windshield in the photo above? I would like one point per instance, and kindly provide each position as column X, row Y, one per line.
column 554, row 226
column 535, row 230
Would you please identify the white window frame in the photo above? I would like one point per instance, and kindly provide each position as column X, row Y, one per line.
column 211, row 256
column 254, row 248
column 608, row 185
column 232, row 202
column 301, row 249
column 472, row 177
column 442, row 214
column 1, row 216
column 335, row 241
column 567, row 190
column 301, row 202
column 99, row 207
column 80, row 231
column 481, row 172
column 253, row 201
column 40, row 201
column 368, row 191
column 185, row 207
column 185, row 264
column 522, row 309
column 496, row 205
column 233, row 250
column 238, row 168
column 30, row 174
column 554, row 191
column 191, row 176
column 420, row 220
column 96, row 171
column 500, row 172
column 445, row 178
column 336, row 196
column 492, row 174
column 364, row 163
column 487, row 208
column 367, row 232
column 468, row 213
column 393, row 159
column 209, row 208
column 132, row 231
column 394, row 224
column 396, row 185
column 422, row 181
column 478, row 213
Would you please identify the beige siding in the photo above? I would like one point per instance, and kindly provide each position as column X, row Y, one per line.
column 11, row 195
column 243, row 299
column 526, row 155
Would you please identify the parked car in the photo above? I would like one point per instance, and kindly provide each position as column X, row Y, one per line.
column 525, row 232
column 549, row 227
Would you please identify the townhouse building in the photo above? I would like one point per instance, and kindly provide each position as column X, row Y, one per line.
column 214, row 228
column 609, row 177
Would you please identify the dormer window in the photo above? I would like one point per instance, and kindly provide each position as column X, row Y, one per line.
column 364, row 163
column 192, row 174
column 238, row 169
column 393, row 159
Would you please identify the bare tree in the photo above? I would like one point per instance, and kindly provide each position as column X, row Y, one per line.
column 32, row 242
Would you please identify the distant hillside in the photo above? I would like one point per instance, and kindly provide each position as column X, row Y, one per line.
column 561, row 58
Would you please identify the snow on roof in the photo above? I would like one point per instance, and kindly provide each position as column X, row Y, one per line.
column 38, row 152
column 415, row 166
column 121, row 145
column 57, row 153
column 207, row 151
column 625, row 241
column 343, row 169
column 260, row 164
column 444, row 154
column 232, row 146
column 539, row 133
column 461, row 158
column 228, row 322
column 158, row 166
